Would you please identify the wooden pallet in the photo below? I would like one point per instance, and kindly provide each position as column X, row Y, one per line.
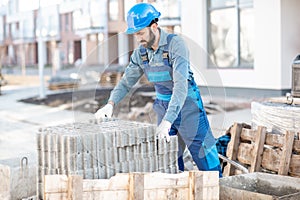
column 186, row 185
column 62, row 86
column 260, row 150
column 110, row 78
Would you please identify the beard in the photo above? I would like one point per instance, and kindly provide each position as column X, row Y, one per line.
column 150, row 42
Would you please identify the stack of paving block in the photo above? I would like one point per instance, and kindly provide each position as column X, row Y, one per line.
column 100, row 149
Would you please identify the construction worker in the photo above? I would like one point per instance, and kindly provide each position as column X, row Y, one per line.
column 164, row 59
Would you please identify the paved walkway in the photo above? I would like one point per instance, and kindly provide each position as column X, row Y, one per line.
column 20, row 122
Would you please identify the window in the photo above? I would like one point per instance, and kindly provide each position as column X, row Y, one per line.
column 67, row 24
column 2, row 28
column 230, row 33
column 113, row 10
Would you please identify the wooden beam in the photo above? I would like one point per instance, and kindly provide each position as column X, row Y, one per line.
column 233, row 146
column 203, row 185
column 192, row 185
column 136, row 186
column 295, row 166
column 75, row 187
column 258, row 149
column 286, row 153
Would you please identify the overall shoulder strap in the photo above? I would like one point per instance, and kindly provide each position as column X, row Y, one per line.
column 144, row 55
column 166, row 50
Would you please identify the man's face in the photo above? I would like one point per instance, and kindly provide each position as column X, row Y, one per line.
column 145, row 37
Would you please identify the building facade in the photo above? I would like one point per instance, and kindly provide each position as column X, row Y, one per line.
column 251, row 43
column 72, row 31
column 236, row 46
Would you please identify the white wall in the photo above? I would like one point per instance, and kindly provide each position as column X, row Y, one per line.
column 290, row 42
column 276, row 27
column 266, row 73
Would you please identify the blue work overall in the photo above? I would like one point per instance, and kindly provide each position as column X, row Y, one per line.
column 191, row 125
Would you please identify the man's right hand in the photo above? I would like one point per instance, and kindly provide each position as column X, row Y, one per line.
column 163, row 130
column 105, row 111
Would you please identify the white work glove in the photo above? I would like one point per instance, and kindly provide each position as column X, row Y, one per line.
column 105, row 111
column 163, row 130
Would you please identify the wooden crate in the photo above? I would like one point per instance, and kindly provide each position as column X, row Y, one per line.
column 260, row 150
column 186, row 185
column 110, row 78
column 259, row 186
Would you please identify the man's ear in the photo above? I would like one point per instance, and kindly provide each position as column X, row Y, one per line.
column 154, row 27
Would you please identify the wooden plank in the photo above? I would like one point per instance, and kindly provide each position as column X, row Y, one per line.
column 207, row 185
column 232, row 149
column 295, row 164
column 158, row 180
column 167, row 193
column 192, row 186
column 136, row 186
column 56, row 183
column 106, row 195
column 258, row 149
column 271, row 159
column 244, row 153
column 296, row 146
column 203, row 185
column 118, row 182
column 157, row 186
column 275, row 140
column 286, row 153
column 56, row 196
column 75, row 187
column 248, row 134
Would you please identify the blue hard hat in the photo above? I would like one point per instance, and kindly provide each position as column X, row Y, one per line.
column 140, row 16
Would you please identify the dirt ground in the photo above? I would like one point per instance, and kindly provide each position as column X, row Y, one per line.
column 136, row 106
